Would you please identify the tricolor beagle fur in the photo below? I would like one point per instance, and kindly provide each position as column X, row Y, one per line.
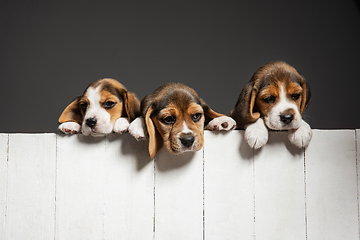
column 275, row 98
column 175, row 116
column 106, row 106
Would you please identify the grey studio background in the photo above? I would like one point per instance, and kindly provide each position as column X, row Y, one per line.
column 51, row 51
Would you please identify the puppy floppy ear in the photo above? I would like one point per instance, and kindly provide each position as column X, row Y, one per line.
column 306, row 96
column 155, row 140
column 72, row 113
column 131, row 105
column 208, row 112
column 243, row 113
column 130, row 100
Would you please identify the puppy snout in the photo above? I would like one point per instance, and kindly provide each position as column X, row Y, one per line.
column 287, row 116
column 187, row 141
column 91, row 122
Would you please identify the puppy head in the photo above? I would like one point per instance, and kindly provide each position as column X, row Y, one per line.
column 174, row 117
column 103, row 102
column 276, row 92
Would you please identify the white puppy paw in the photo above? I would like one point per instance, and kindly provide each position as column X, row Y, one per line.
column 256, row 134
column 69, row 127
column 121, row 125
column 137, row 128
column 223, row 123
column 301, row 137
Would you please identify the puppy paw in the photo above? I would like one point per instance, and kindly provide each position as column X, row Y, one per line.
column 137, row 128
column 121, row 125
column 301, row 137
column 223, row 123
column 69, row 127
column 256, row 134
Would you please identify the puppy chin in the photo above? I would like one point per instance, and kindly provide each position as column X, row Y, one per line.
column 274, row 123
column 99, row 131
column 178, row 148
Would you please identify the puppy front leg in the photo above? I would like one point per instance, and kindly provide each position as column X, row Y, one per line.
column 121, row 125
column 223, row 123
column 301, row 137
column 256, row 134
column 137, row 128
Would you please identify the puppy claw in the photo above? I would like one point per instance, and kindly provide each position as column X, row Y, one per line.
column 256, row 134
column 121, row 125
column 137, row 129
column 301, row 137
column 223, row 123
column 69, row 127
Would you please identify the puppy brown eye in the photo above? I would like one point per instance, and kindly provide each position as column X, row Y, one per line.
column 169, row 120
column 196, row 117
column 83, row 106
column 108, row 104
column 270, row 99
column 295, row 96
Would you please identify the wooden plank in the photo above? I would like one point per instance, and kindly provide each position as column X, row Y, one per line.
column 279, row 190
column 358, row 171
column 3, row 182
column 31, row 186
column 228, row 186
column 129, row 189
column 80, row 187
column 178, row 195
column 331, row 186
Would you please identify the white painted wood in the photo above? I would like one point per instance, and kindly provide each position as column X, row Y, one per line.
column 331, row 192
column 129, row 189
column 3, row 182
column 279, row 190
column 178, row 195
column 80, row 211
column 228, row 186
column 75, row 187
column 358, row 171
column 31, row 186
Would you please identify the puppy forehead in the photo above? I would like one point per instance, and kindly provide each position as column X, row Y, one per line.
column 101, row 91
column 179, row 99
column 280, row 78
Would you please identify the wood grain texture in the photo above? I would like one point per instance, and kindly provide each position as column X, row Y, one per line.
column 279, row 190
column 178, row 195
column 228, row 186
column 3, row 182
column 331, row 192
column 76, row 187
column 31, row 186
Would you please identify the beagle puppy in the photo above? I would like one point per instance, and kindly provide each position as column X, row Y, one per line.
column 106, row 106
column 175, row 116
column 275, row 98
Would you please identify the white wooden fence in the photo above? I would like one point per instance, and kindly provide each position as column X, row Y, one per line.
column 60, row 187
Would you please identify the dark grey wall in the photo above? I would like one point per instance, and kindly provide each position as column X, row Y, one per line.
column 51, row 50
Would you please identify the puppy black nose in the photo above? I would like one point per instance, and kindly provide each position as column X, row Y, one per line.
column 91, row 122
column 187, row 141
column 287, row 118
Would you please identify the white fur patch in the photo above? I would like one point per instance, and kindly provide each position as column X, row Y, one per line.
column 301, row 137
column 223, row 123
column 137, row 128
column 121, row 125
column 256, row 134
column 104, row 125
column 185, row 129
column 69, row 127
